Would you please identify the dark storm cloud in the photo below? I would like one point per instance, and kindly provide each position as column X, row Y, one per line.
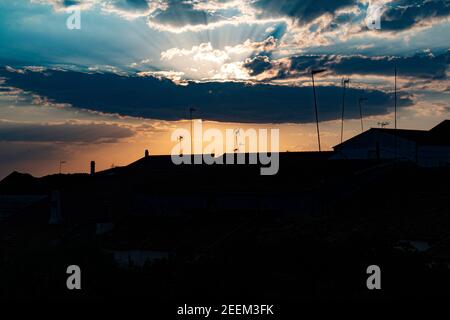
column 162, row 99
column 64, row 4
column 179, row 13
column 68, row 3
column 77, row 133
column 132, row 5
column 404, row 14
column 303, row 10
column 399, row 14
column 423, row 65
column 258, row 65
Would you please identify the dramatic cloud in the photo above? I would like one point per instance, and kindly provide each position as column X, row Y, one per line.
column 424, row 65
column 62, row 5
column 222, row 101
column 181, row 13
column 404, row 14
column 303, row 11
column 324, row 16
column 66, row 132
column 310, row 22
column 131, row 9
column 205, row 62
column 167, row 15
column 258, row 65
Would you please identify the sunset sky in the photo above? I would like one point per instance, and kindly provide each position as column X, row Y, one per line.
column 124, row 81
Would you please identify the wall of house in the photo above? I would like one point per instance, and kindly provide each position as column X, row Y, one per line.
column 434, row 156
column 374, row 144
column 365, row 147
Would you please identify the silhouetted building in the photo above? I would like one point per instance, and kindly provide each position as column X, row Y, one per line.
column 426, row 148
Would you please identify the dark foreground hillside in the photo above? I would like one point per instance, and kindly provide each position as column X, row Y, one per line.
column 212, row 233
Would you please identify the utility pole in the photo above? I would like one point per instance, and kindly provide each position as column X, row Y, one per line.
column 180, row 139
column 313, row 72
column 344, row 83
column 395, row 96
column 395, row 111
column 360, row 112
column 61, row 162
column 192, row 130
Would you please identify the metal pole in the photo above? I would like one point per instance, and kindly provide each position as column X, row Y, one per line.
column 190, row 117
column 395, row 110
column 317, row 114
column 61, row 162
column 395, row 97
column 360, row 112
column 343, row 108
column 344, row 83
column 180, row 139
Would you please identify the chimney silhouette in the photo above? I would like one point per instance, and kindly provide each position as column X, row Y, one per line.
column 146, row 153
column 92, row 168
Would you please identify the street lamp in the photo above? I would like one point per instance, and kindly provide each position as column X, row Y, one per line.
column 313, row 72
column 345, row 82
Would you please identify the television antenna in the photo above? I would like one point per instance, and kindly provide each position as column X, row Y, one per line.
column 360, row 101
column 61, row 162
column 237, row 133
column 314, row 72
column 180, row 140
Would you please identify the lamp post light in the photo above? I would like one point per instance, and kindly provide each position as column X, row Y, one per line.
column 345, row 83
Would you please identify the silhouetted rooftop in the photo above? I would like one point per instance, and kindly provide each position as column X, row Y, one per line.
column 438, row 135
